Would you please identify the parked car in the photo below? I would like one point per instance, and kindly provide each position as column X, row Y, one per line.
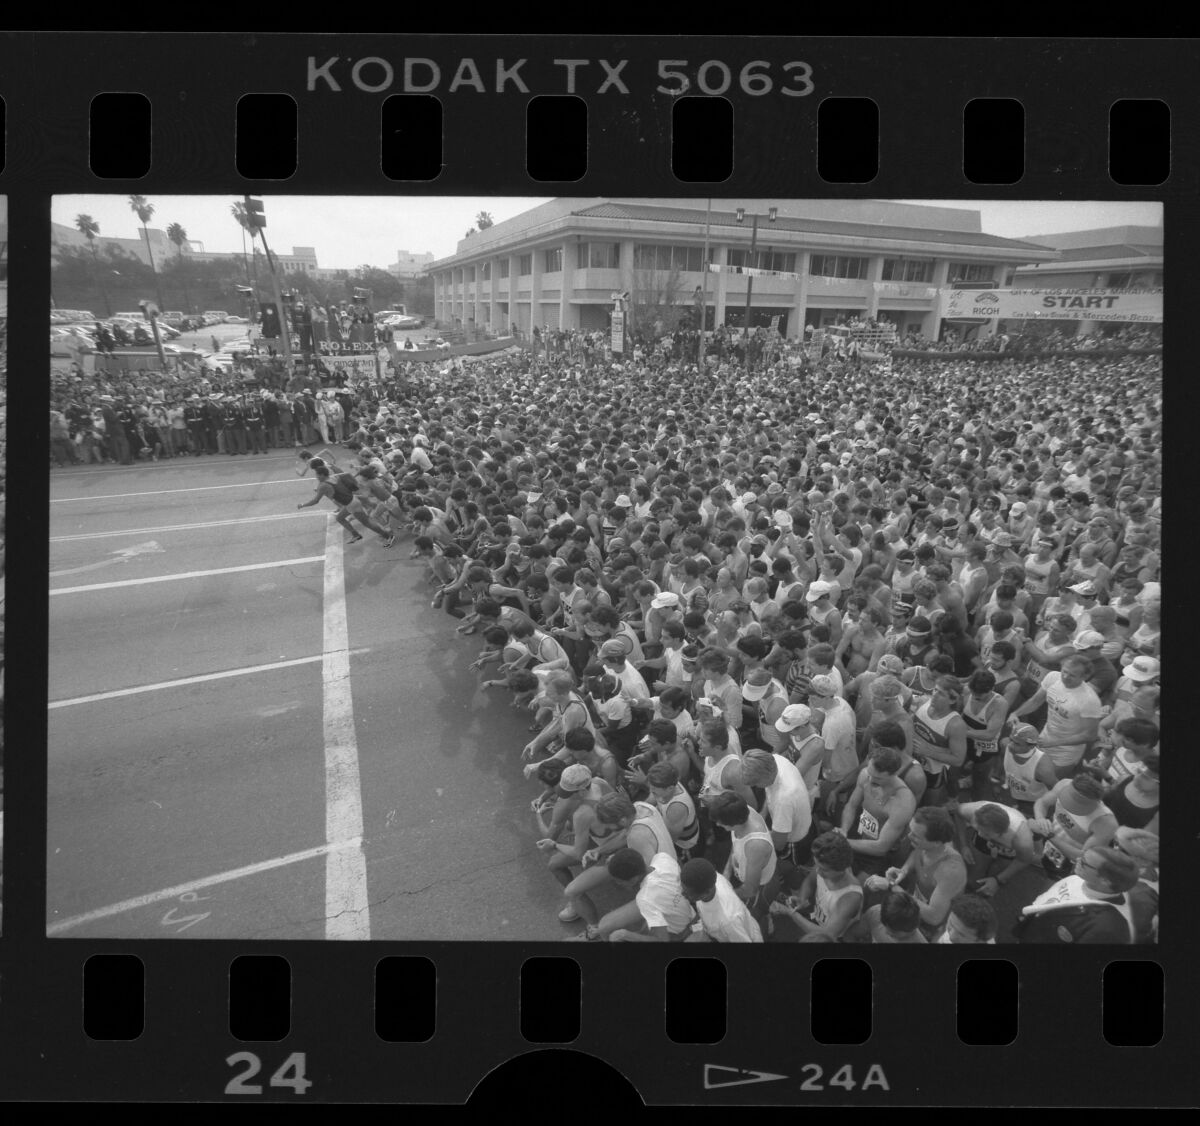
column 236, row 321
column 214, row 316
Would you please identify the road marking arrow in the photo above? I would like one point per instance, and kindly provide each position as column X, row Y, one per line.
column 734, row 1076
column 122, row 556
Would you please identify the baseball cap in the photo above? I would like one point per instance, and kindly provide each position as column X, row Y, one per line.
column 823, row 686
column 783, row 518
column 890, row 663
column 664, row 599
column 1142, row 668
column 816, row 590
column 1019, row 508
column 623, row 502
column 748, row 498
column 1087, row 588
column 1088, row 639
column 793, row 716
column 575, row 777
column 1022, row 732
column 756, row 685
column 612, row 648
column 920, row 626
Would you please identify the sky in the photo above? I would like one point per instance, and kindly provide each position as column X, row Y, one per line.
column 349, row 231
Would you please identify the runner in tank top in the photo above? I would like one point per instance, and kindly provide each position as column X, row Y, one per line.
column 997, row 833
column 1134, row 799
column 676, row 806
column 830, row 899
column 939, row 738
column 983, row 713
column 1028, row 770
column 875, row 820
column 1072, row 818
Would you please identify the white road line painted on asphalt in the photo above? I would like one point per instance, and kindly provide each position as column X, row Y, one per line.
column 244, row 671
column 346, row 909
column 168, row 492
column 195, row 885
column 190, row 574
column 182, row 527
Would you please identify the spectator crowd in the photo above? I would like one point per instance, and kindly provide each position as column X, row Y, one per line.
column 813, row 648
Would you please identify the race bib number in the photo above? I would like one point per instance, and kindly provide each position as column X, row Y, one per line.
column 1018, row 788
column 868, row 827
column 985, row 746
column 1052, row 854
column 1035, row 672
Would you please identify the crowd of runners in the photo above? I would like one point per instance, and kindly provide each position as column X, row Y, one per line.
column 832, row 652
column 846, row 653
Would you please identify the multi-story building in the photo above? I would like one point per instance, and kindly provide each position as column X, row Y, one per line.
column 63, row 236
column 409, row 265
column 559, row 264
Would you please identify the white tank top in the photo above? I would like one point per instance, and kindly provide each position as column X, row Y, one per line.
column 930, row 732
column 1020, row 777
column 713, row 771
column 738, row 853
column 649, row 816
column 826, row 901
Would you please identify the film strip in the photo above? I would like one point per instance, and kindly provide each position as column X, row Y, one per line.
column 325, row 976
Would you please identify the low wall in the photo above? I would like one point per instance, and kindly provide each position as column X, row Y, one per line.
column 999, row 357
column 432, row 355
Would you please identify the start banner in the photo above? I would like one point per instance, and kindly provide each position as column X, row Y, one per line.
column 1144, row 305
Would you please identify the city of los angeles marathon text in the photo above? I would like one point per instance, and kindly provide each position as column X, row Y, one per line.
column 374, row 75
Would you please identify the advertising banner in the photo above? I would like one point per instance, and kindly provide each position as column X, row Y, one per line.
column 1144, row 305
column 618, row 333
column 356, row 366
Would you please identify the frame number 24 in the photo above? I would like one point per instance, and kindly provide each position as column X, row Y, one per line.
column 290, row 1073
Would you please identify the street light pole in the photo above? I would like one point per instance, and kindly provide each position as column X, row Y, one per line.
column 703, row 311
column 750, row 290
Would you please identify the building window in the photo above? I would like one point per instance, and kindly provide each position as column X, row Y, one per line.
column 503, row 264
column 764, row 260
column 1119, row 281
column 834, row 266
column 485, row 271
column 525, row 265
column 468, row 273
column 666, row 259
column 908, row 269
column 971, row 273
column 599, row 255
column 552, row 260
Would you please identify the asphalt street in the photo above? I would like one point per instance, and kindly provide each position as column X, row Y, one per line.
column 237, row 752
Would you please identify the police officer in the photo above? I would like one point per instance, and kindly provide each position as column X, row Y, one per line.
column 235, row 427
column 128, row 421
column 252, row 412
column 214, row 419
column 271, row 421
column 193, row 415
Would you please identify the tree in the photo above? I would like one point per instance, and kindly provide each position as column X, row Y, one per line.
column 658, row 302
column 484, row 220
column 145, row 212
column 178, row 236
column 89, row 228
column 239, row 213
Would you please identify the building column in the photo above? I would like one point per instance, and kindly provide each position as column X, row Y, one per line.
column 535, row 289
column 800, row 301
column 512, row 291
column 874, row 274
column 567, row 289
column 478, row 296
column 720, row 258
column 625, row 268
column 931, row 320
column 494, row 311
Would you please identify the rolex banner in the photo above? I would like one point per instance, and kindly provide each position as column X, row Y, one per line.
column 1143, row 305
column 343, row 337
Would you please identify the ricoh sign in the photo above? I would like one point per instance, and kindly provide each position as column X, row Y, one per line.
column 1144, row 305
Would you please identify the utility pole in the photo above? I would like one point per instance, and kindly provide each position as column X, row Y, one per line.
column 741, row 216
column 703, row 310
column 257, row 219
column 150, row 312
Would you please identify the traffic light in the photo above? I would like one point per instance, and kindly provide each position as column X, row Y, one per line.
column 256, row 217
column 270, row 320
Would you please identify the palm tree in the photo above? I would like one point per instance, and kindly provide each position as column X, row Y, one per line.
column 238, row 210
column 484, row 220
column 89, row 228
column 145, row 212
column 178, row 236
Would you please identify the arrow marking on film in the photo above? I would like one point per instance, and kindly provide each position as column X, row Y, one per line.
column 123, row 555
column 735, row 1076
